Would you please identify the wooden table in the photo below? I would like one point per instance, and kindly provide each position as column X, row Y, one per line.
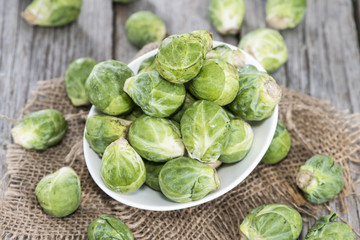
column 323, row 52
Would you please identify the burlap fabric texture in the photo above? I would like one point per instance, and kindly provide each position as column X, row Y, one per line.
column 315, row 128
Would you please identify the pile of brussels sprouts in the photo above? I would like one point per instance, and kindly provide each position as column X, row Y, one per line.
column 184, row 111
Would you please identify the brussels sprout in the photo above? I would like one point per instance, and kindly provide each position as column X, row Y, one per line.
column 217, row 82
column 109, row 227
column 258, row 95
column 156, row 96
column 102, row 130
column 188, row 101
column 152, row 174
column 52, row 13
column 59, row 193
column 282, row 14
column 147, row 65
column 227, row 15
column 223, row 52
column 320, row 179
column 156, row 139
column 122, row 169
column 137, row 112
column 75, row 78
column 279, row 146
column 241, row 138
column 184, row 179
column 325, row 229
column 205, row 128
column 104, row 87
column 267, row 46
column 144, row 27
column 40, row 130
column 272, row 222
column 180, row 57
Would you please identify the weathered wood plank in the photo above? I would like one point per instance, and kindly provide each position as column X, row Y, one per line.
column 179, row 17
column 29, row 54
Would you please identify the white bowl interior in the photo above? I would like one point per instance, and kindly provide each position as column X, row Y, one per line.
column 230, row 174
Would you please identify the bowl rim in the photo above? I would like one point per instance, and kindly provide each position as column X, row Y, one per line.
column 212, row 195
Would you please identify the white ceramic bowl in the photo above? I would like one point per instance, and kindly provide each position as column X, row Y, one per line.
column 230, row 174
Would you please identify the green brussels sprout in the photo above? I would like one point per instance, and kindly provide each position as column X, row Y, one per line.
column 326, row 229
column 156, row 96
column 217, row 81
column 59, row 193
column 258, row 95
column 122, row 169
column 267, row 46
column 102, row 130
column 184, row 179
column 75, row 78
column 282, row 14
column 148, row 65
column 137, row 112
column 52, row 13
column 188, row 101
column 156, row 139
column 279, row 146
column 223, row 52
column 144, row 27
column 320, row 179
column 241, row 138
column 205, row 128
column 104, row 87
column 227, row 15
column 206, row 39
column 109, row 227
column 180, row 57
column 272, row 222
column 40, row 130
column 152, row 174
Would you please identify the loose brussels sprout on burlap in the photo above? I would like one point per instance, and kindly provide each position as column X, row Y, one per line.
column 257, row 96
column 188, row 101
column 241, row 138
column 267, row 46
column 101, row 130
column 147, row 65
column 104, row 87
column 52, row 13
column 279, row 146
column 144, row 27
column 75, row 78
column 156, row 96
column 223, row 52
column 205, row 128
column 122, row 169
column 272, row 222
column 40, row 130
column 180, row 57
column 156, row 139
column 217, row 81
column 326, row 229
column 184, row 179
column 227, row 15
column 320, row 179
column 152, row 174
column 59, row 193
column 282, row 14
column 109, row 227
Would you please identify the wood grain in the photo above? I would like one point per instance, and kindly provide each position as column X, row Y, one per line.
column 324, row 58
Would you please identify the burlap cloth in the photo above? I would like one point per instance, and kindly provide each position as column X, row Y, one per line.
column 315, row 128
